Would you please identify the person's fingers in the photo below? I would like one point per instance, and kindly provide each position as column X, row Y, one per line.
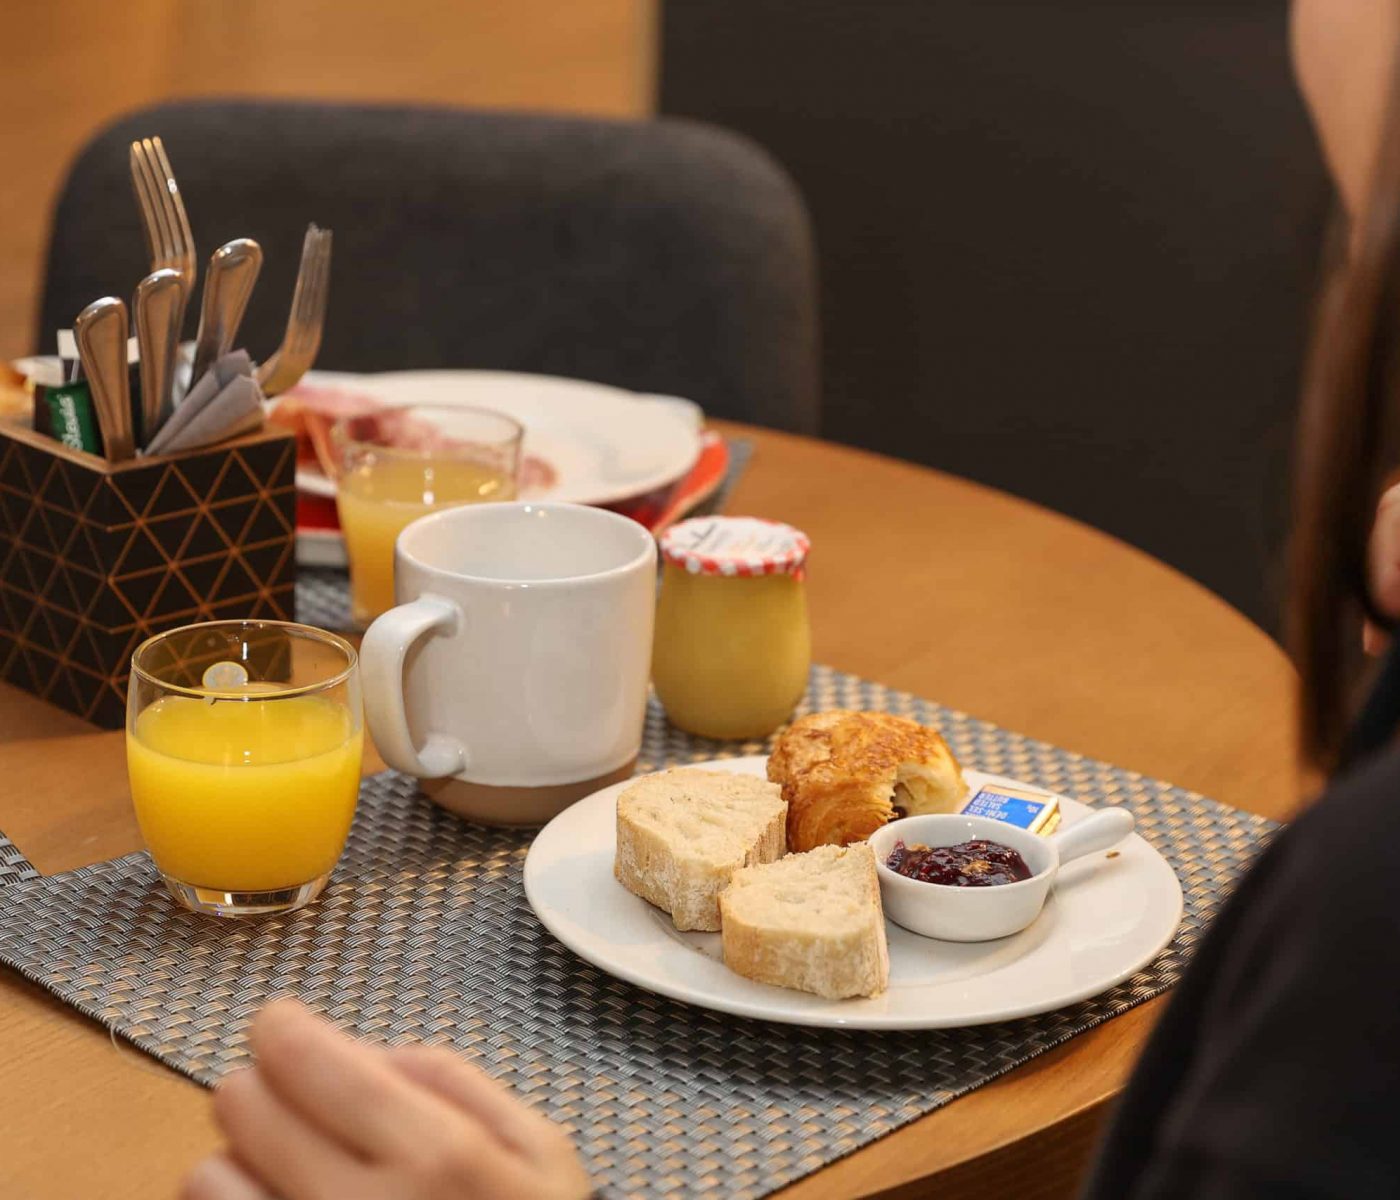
column 462, row 1085
column 1385, row 553
column 218, row 1177
column 353, row 1094
column 347, row 1090
column 533, row 1136
column 271, row 1142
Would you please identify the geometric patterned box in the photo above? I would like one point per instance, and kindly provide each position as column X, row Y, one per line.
column 95, row 557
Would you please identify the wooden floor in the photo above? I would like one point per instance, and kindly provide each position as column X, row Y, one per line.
column 72, row 65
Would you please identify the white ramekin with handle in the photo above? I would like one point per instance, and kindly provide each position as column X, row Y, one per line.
column 980, row 914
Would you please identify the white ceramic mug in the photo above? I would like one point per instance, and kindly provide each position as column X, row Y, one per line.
column 512, row 674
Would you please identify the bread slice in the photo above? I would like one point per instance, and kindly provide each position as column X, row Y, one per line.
column 681, row 835
column 809, row 921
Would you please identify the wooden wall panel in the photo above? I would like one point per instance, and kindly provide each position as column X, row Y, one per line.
column 70, row 65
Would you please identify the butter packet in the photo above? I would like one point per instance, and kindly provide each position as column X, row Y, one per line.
column 1033, row 811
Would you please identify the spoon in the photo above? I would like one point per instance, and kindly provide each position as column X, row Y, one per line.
column 228, row 284
column 101, row 334
column 159, row 310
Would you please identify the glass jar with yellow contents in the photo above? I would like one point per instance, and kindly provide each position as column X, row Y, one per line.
column 733, row 646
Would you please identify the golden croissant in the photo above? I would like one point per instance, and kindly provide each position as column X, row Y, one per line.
column 844, row 774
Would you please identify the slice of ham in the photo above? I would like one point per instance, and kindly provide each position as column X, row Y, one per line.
column 311, row 412
column 536, row 478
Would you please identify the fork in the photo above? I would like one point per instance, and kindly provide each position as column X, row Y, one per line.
column 293, row 358
column 163, row 218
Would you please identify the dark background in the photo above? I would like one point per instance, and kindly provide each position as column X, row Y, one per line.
column 1066, row 248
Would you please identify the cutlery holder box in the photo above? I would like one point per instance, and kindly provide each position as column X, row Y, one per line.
column 95, row 557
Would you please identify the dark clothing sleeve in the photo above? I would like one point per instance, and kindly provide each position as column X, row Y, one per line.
column 1275, row 1072
column 1195, row 1179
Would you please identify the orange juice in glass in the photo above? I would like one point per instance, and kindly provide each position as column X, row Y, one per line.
column 243, row 747
column 401, row 463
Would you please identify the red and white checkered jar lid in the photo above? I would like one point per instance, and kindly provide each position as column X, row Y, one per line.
column 741, row 547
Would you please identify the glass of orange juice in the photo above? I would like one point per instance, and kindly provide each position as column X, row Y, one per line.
column 243, row 746
column 400, row 463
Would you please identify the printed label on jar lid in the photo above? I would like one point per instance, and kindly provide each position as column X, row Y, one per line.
column 738, row 546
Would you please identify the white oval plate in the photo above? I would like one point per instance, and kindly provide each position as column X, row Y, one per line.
column 1105, row 919
column 606, row 444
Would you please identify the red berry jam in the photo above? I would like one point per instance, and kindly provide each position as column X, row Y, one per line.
column 978, row 863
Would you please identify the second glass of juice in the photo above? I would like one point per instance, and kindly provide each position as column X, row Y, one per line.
column 243, row 748
column 397, row 465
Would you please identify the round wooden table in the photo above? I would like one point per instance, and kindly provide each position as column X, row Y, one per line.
column 918, row 580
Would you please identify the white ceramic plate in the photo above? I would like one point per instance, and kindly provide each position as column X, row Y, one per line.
column 1105, row 919
column 605, row 444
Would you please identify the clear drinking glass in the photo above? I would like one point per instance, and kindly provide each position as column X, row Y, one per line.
column 243, row 747
column 398, row 464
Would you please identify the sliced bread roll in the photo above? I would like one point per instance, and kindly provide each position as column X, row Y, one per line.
column 681, row 835
column 809, row 921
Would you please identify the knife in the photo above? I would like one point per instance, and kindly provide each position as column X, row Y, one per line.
column 101, row 331
column 227, row 285
column 158, row 310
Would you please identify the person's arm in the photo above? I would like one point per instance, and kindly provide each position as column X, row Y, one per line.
column 1273, row 1074
column 1344, row 52
column 323, row 1117
column 1384, row 571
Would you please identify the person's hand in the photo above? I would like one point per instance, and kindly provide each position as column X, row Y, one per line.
column 323, row 1117
column 1384, row 570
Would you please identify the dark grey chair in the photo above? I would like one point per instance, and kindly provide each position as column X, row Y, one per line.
column 664, row 256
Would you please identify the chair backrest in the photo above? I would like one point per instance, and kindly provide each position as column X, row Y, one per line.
column 663, row 256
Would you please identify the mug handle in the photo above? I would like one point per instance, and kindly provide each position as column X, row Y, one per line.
column 382, row 653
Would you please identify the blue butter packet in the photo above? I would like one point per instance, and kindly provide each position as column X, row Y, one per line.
column 1036, row 812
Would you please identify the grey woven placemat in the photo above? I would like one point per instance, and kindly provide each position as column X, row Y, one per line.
column 323, row 598
column 14, row 867
column 425, row 934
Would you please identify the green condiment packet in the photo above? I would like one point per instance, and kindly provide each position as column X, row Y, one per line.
column 70, row 417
